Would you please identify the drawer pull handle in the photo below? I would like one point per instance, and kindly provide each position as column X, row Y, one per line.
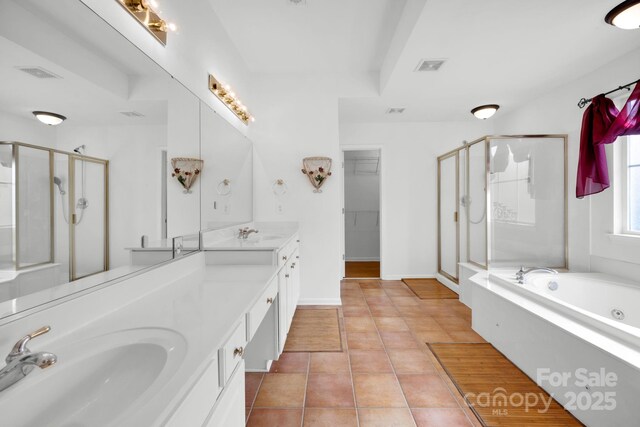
column 298, row 241
column 286, row 275
column 297, row 256
column 293, row 265
column 269, row 300
column 284, row 258
column 239, row 351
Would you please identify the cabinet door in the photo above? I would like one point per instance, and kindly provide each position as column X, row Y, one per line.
column 283, row 309
column 295, row 276
column 230, row 411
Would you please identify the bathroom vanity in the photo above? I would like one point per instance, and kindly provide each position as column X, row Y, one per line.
column 166, row 347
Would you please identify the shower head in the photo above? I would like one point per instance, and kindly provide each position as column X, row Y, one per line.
column 57, row 181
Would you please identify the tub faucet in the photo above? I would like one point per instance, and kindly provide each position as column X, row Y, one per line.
column 243, row 233
column 522, row 274
column 20, row 362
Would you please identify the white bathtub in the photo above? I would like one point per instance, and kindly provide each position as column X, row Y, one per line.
column 576, row 326
column 608, row 304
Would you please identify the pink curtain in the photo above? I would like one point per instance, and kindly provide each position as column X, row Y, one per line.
column 602, row 123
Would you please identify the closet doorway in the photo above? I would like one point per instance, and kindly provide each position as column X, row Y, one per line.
column 361, row 213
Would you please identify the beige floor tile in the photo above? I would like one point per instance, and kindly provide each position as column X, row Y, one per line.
column 329, row 391
column 366, row 361
column 329, row 363
column 378, row 391
column 399, row 340
column 264, row 417
column 386, row 417
column 411, row 361
column 390, row 324
column 364, row 341
column 426, row 391
column 330, row 417
column 359, row 324
column 281, row 391
column 440, row 417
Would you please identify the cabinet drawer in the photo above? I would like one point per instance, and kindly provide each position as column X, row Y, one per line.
column 232, row 352
column 260, row 308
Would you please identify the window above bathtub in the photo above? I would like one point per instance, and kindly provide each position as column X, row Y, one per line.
column 630, row 185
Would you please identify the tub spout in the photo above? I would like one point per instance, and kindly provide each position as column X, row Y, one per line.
column 522, row 274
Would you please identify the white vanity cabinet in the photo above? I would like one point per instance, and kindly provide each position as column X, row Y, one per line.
column 230, row 409
column 289, row 285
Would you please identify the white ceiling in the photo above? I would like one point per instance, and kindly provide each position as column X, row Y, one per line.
column 497, row 51
column 317, row 36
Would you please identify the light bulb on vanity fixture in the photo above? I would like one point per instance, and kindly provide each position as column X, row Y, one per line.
column 626, row 15
column 147, row 13
column 225, row 94
column 483, row 112
column 51, row 119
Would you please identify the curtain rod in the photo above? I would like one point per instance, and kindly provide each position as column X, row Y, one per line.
column 583, row 102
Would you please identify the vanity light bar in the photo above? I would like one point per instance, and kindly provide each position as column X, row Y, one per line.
column 143, row 11
column 225, row 94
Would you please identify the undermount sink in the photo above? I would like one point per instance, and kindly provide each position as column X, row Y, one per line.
column 95, row 382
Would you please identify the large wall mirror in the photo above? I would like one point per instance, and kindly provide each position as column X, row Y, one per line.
column 227, row 181
column 78, row 201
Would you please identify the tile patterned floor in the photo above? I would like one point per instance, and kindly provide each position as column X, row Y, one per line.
column 386, row 375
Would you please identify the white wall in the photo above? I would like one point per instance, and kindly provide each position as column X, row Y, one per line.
column 590, row 219
column 408, row 187
column 298, row 117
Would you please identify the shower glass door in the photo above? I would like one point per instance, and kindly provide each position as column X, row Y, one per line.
column 475, row 200
column 448, row 249
column 89, row 223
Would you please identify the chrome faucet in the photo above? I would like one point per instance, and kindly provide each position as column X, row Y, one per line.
column 20, row 362
column 522, row 274
column 243, row 233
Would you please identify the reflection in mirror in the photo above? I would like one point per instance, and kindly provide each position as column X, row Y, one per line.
column 227, row 179
column 77, row 198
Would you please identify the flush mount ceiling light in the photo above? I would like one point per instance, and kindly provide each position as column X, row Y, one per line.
column 51, row 119
column 396, row 110
column 626, row 15
column 483, row 112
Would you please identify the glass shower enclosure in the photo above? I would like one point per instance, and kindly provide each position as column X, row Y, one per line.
column 53, row 211
column 502, row 202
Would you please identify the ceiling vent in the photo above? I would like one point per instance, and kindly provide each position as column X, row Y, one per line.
column 396, row 110
column 298, row 2
column 132, row 114
column 430, row 65
column 39, row 72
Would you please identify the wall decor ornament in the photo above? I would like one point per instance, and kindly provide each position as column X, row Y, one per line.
column 186, row 170
column 317, row 169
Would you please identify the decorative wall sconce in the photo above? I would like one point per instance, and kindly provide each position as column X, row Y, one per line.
column 317, row 170
column 225, row 94
column 279, row 187
column 224, row 187
column 186, row 171
column 143, row 11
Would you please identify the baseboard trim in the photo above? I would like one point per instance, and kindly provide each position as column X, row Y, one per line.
column 407, row 276
column 320, row 301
